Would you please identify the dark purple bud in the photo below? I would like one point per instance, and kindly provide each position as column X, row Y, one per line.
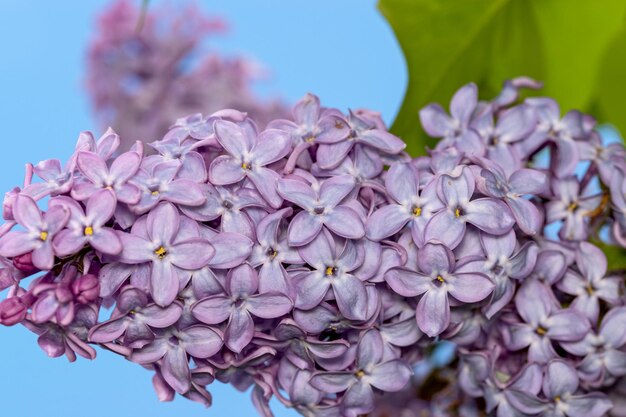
column 25, row 263
column 12, row 311
column 86, row 289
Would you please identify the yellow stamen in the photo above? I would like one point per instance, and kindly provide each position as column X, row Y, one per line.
column 330, row 270
column 160, row 252
column 274, row 254
column 541, row 331
column 43, row 236
column 440, row 278
column 309, row 139
column 108, row 187
column 590, row 289
column 417, row 211
column 572, row 206
column 246, row 165
column 360, row 374
column 457, row 212
column 155, row 193
column 88, row 231
column 557, row 399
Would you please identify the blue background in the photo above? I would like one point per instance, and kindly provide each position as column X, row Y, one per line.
column 341, row 50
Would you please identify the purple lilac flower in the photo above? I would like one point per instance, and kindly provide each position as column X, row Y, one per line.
column 448, row 225
column 247, row 157
column 437, row 280
column 238, row 306
column 322, row 207
column 370, row 372
column 544, row 322
column 158, row 247
column 39, row 234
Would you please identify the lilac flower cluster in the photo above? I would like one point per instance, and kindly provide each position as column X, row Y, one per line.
column 144, row 71
column 316, row 262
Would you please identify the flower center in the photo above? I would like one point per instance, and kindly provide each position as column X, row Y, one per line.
column 417, row 211
column 155, row 193
column 339, row 125
column 573, row 206
column 318, row 210
column 309, row 138
column 272, row 253
column 330, row 270
column 88, row 231
column 160, row 252
column 43, row 236
column 590, row 289
column 227, row 204
column 541, row 331
column 458, row 212
column 439, row 281
column 359, row 374
column 246, row 165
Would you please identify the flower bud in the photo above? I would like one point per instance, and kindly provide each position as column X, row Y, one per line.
column 86, row 289
column 25, row 263
column 12, row 311
column 7, row 204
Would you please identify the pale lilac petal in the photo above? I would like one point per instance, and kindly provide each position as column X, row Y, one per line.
column 185, row 192
column 27, row 213
column 527, row 215
column 612, row 328
column 335, row 189
column 105, row 241
column 273, row 277
column 212, row 310
column 567, row 325
column 351, row 297
column 345, row 222
column 175, row 370
column 464, row 102
column 155, row 316
column 232, row 137
column 17, row 243
column 163, row 283
column 330, row 156
column 239, row 331
column 528, row 181
column 435, row 258
column 231, row 249
column 310, row 290
column 272, row 145
column 402, row 182
column 92, row 167
column 489, row 215
column 303, row 228
column 298, row 192
column 433, row 312
column 67, row 242
column 594, row 404
column 407, row 283
column 201, row 341
column 163, row 223
column 191, row 254
column 265, row 180
column 470, row 288
column 534, row 302
column 333, row 382
column 125, row 167
column 108, row 331
column 226, row 170
column 43, row 256
column 135, row 248
column 446, row 228
column 242, row 280
column 269, row 305
column 560, row 378
column 435, row 121
column 101, row 206
column 390, row 376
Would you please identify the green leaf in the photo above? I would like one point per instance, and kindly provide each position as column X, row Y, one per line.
column 611, row 91
column 615, row 255
column 448, row 43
